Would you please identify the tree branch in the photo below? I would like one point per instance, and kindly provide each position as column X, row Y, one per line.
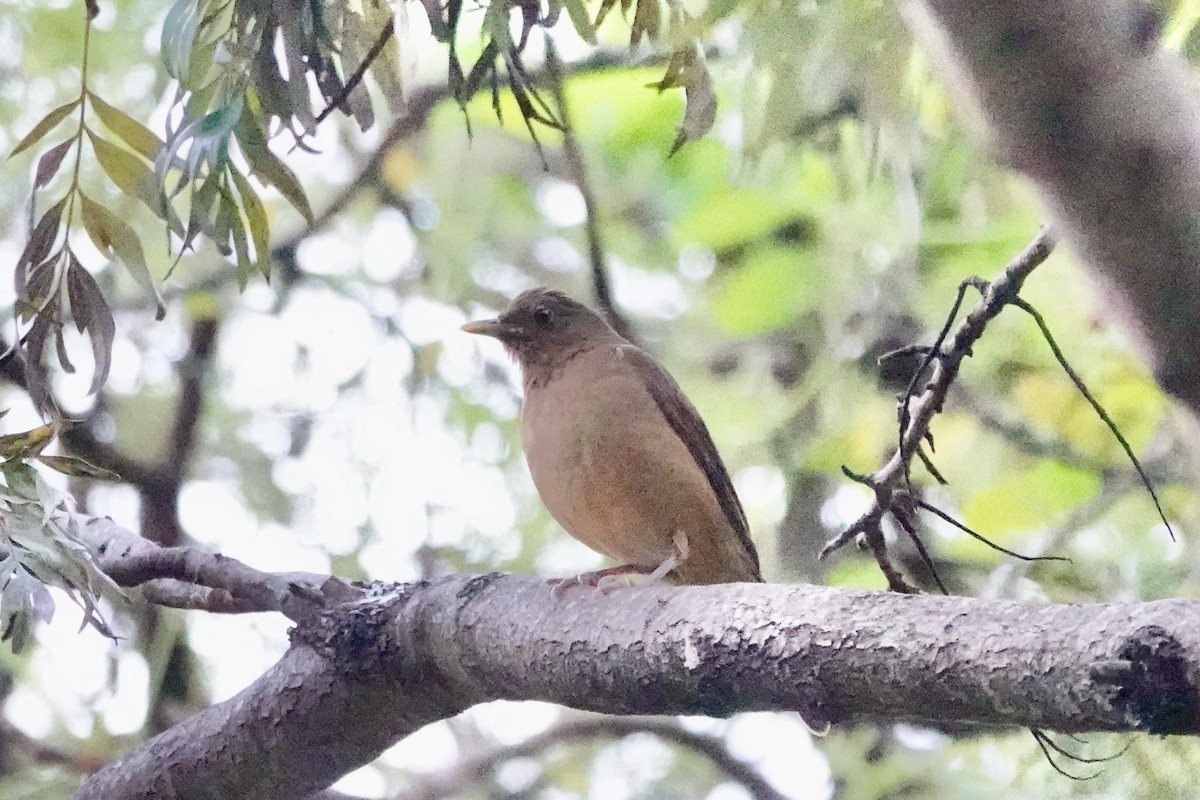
column 186, row 577
column 939, row 368
column 453, row 780
column 1079, row 96
column 362, row 675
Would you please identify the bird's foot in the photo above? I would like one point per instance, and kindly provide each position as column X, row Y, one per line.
column 603, row 580
column 674, row 560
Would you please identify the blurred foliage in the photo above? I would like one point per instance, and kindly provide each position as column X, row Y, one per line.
column 826, row 218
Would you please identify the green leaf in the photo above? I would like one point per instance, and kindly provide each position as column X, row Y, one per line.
column 270, row 169
column 237, row 230
column 112, row 236
column 69, row 465
column 131, row 132
column 25, row 443
column 256, row 221
column 578, row 13
column 729, row 217
column 178, row 37
column 43, row 127
column 1027, row 499
column 135, row 178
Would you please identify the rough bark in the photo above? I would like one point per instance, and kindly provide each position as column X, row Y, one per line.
column 1079, row 96
column 361, row 676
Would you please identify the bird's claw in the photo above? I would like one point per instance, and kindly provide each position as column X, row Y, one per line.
column 604, row 581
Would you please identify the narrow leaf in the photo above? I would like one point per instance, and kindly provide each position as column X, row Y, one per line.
column 256, row 221
column 270, row 169
column 40, row 241
column 49, row 163
column 25, row 443
column 92, row 314
column 112, row 236
column 578, row 13
column 700, row 109
column 135, row 178
column 602, row 12
column 131, row 132
column 178, row 36
column 69, row 465
column 44, row 126
column 647, row 19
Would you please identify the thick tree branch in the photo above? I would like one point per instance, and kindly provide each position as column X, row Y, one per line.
column 364, row 674
column 1081, row 99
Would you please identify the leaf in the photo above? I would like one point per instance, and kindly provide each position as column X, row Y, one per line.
column 69, row 465
column 269, row 168
column 602, row 12
column 198, row 216
column 39, row 244
column 135, row 178
column 578, row 13
column 91, row 313
column 60, row 347
column 647, row 19
column 700, row 111
column 245, row 266
column 256, row 221
column 112, row 236
column 178, row 37
column 771, row 289
column 41, row 287
column 25, row 443
column 49, row 163
column 131, row 132
column 44, row 126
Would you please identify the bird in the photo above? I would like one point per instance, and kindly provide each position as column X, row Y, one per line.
column 618, row 454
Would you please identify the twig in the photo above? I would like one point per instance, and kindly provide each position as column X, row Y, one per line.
column 471, row 770
column 577, row 167
column 941, row 364
column 1095, row 404
column 980, row 537
column 186, row 577
column 356, row 78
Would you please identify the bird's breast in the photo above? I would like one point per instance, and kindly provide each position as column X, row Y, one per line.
column 610, row 468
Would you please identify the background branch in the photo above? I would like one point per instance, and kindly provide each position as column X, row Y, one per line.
column 1080, row 97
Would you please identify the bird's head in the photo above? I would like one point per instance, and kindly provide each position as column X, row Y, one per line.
column 543, row 328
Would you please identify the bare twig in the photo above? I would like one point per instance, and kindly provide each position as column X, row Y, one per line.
column 1095, row 404
column 937, row 512
column 356, row 78
column 577, row 167
column 470, row 770
column 186, row 577
column 940, row 367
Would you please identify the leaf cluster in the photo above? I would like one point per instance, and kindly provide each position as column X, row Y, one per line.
column 38, row 544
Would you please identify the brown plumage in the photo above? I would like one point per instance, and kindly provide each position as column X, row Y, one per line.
column 619, row 456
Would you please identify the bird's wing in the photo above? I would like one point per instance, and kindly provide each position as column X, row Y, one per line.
column 692, row 431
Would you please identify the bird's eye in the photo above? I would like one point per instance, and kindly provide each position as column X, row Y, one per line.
column 542, row 316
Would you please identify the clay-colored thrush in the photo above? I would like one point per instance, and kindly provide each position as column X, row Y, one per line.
column 618, row 454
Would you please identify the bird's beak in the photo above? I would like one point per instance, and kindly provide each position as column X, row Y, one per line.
column 487, row 327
